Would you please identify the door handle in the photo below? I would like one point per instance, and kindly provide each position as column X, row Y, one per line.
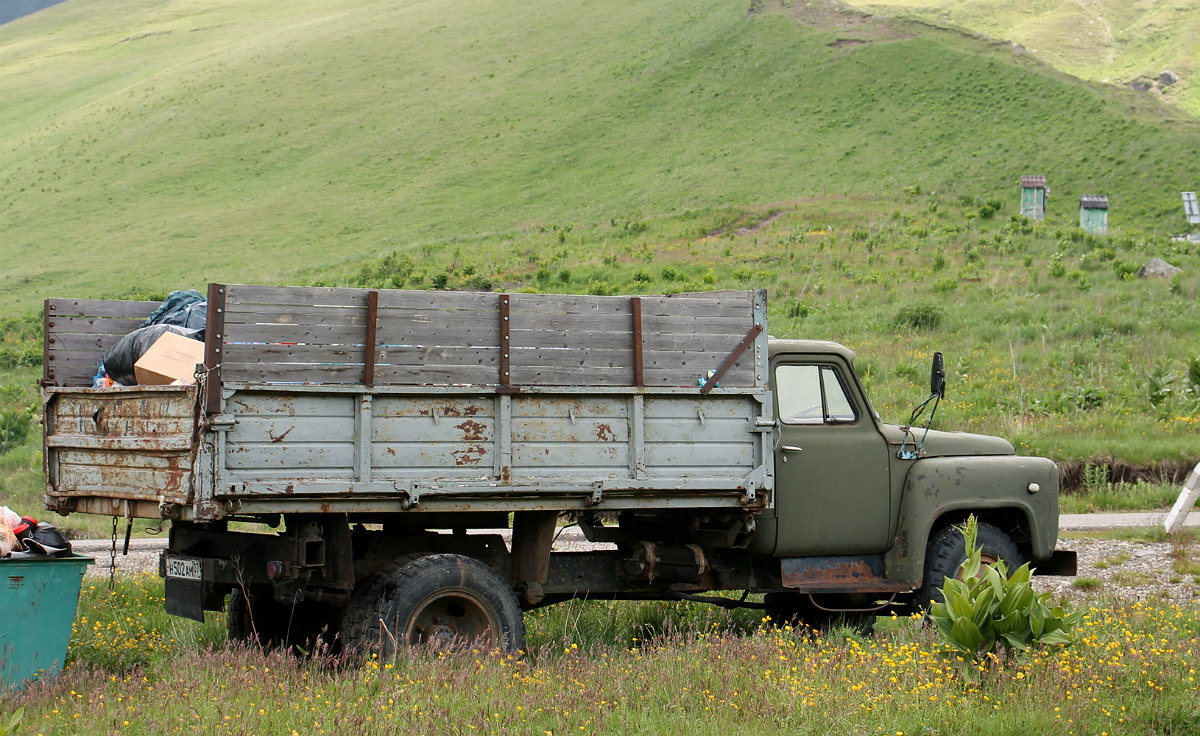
column 792, row 448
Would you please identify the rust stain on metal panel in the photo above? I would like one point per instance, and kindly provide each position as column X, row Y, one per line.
column 391, row 451
column 279, row 438
column 472, row 455
column 605, row 433
column 472, row 431
column 505, row 473
column 842, row 574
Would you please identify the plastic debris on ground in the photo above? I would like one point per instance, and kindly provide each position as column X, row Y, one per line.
column 24, row 537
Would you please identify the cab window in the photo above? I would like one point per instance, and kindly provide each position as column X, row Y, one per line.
column 812, row 394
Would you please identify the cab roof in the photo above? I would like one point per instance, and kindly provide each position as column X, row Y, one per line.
column 781, row 347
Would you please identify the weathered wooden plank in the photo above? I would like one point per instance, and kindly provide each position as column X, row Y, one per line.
column 463, row 458
column 468, row 331
column 248, row 404
column 71, row 376
column 238, row 295
column 680, row 408
column 294, row 333
column 687, row 376
column 441, row 356
column 95, row 325
column 301, row 429
column 295, row 315
column 94, row 344
column 125, row 482
column 336, row 354
column 565, row 407
column 591, row 376
column 332, row 456
column 301, row 373
column 541, row 305
column 712, row 429
column 479, row 301
column 707, row 455
column 570, row 456
column 436, row 375
column 100, row 308
column 164, row 461
column 456, row 430
column 448, row 407
column 605, row 430
column 578, row 358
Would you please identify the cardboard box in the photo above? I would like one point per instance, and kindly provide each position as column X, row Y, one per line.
column 171, row 358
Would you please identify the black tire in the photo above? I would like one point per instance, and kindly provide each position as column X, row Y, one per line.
column 254, row 615
column 796, row 609
column 947, row 552
column 444, row 601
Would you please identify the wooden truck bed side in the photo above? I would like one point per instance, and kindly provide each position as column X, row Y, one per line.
column 374, row 401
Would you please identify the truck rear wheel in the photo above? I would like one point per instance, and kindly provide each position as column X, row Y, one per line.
column 443, row 601
column 947, row 552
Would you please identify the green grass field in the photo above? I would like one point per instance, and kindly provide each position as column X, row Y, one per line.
column 1103, row 40
column 643, row 668
column 148, row 146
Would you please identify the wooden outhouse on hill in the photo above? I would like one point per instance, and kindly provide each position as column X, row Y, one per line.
column 1093, row 213
column 1034, row 194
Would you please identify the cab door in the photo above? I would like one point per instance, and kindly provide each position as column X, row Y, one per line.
column 832, row 484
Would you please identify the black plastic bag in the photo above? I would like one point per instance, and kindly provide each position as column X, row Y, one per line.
column 186, row 308
column 119, row 360
column 43, row 538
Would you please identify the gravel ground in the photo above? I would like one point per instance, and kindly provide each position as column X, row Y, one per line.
column 1107, row 568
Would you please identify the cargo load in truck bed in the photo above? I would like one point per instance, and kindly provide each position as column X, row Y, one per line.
column 356, row 400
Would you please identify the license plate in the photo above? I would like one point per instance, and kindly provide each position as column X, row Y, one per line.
column 185, row 569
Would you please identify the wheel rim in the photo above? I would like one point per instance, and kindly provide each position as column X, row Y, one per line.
column 452, row 618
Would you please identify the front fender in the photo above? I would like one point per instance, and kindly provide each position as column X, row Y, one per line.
column 991, row 487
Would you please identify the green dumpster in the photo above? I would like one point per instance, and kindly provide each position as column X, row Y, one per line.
column 39, row 597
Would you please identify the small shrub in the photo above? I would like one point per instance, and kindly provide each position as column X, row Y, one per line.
column 988, row 209
column 919, row 316
column 15, row 423
column 1124, row 270
column 798, row 309
column 479, row 282
column 440, row 280
column 945, row 286
column 671, row 274
column 564, row 276
column 641, row 277
column 987, row 611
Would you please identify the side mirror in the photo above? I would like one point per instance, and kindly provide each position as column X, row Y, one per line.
column 937, row 377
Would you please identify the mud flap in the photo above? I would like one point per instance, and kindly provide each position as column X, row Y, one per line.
column 185, row 598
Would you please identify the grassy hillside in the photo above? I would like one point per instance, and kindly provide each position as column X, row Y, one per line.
column 1115, row 40
column 148, row 145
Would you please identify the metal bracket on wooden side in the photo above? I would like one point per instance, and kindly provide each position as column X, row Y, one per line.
column 369, row 343
column 214, row 346
column 730, row 359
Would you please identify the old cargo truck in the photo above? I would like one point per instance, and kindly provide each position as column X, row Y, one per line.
column 393, row 466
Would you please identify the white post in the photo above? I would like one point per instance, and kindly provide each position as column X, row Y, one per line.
column 1185, row 502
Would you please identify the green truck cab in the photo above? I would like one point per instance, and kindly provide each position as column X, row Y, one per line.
column 881, row 495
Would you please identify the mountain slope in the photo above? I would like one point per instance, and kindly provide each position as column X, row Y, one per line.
column 151, row 145
column 1114, row 40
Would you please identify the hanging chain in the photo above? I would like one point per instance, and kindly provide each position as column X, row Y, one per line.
column 112, row 558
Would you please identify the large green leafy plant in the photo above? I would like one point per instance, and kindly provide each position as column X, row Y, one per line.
column 986, row 611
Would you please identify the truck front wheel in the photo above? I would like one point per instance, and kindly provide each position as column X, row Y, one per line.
column 947, row 552
column 442, row 601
